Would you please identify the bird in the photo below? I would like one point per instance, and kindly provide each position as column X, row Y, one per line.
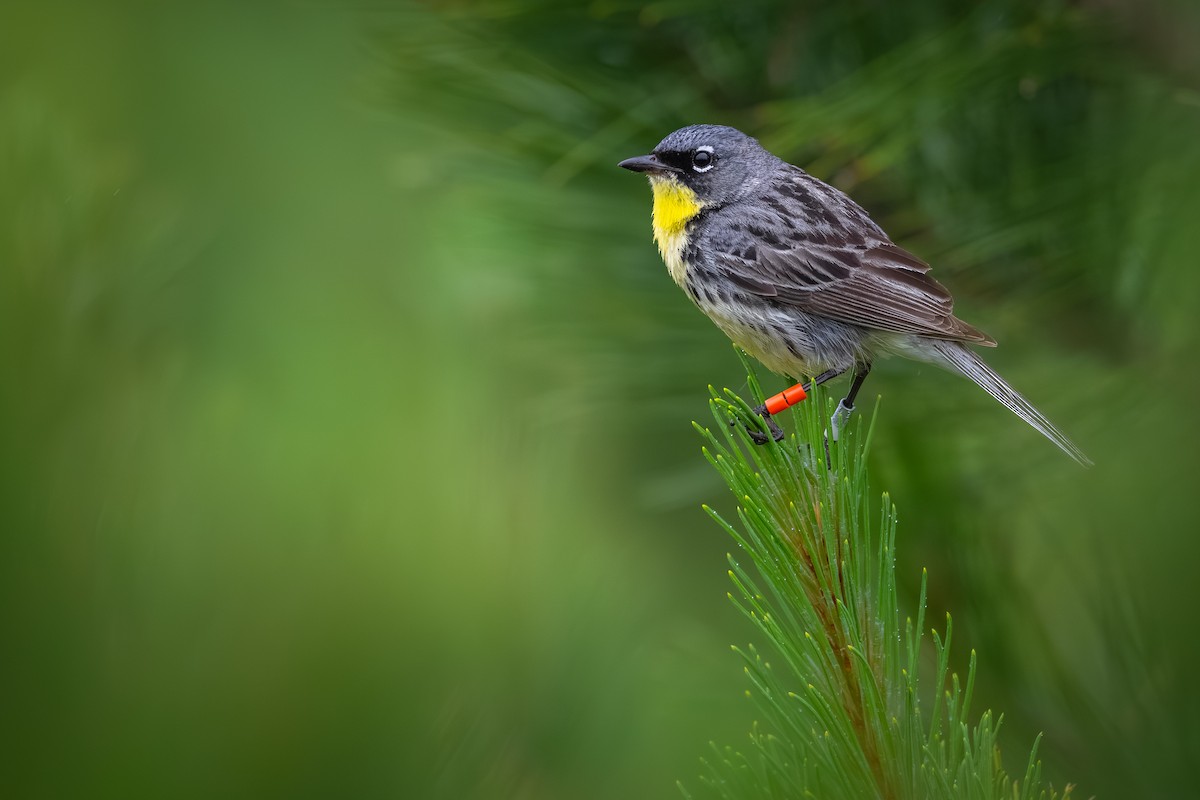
column 800, row 277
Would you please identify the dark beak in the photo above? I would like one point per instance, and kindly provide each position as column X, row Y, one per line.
column 648, row 163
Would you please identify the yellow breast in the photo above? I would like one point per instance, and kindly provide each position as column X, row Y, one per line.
column 675, row 205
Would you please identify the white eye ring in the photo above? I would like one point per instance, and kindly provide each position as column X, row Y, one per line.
column 711, row 161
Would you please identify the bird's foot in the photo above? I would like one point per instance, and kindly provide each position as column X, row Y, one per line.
column 758, row 437
column 841, row 415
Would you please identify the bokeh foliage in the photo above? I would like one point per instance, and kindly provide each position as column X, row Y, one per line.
column 344, row 402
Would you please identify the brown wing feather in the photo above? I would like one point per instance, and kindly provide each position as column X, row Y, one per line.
column 880, row 286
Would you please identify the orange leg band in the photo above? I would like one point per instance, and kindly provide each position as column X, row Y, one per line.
column 786, row 399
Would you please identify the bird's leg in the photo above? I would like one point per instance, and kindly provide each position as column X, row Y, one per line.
column 845, row 407
column 784, row 400
column 841, row 415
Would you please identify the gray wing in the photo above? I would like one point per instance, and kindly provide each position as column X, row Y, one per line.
column 839, row 266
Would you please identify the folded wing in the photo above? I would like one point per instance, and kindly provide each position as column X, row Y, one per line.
column 874, row 285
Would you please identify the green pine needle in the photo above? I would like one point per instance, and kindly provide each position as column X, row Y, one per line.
column 843, row 711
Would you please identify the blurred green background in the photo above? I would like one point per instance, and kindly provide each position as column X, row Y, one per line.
column 345, row 403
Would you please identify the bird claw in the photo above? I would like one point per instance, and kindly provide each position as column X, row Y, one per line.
column 760, row 438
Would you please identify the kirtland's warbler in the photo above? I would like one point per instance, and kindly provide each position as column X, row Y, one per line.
column 798, row 275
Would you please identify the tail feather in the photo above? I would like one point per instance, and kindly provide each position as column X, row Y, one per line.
column 961, row 359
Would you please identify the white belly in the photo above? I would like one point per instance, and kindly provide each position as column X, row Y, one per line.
column 789, row 341
column 757, row 334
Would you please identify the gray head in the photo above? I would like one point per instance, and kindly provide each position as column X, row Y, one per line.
column 717, row 162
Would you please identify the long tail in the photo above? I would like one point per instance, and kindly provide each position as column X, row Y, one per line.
column 962, row 360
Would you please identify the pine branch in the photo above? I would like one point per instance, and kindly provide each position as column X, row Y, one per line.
column 843, row 711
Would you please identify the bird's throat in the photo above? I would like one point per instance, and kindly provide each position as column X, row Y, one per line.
column 675, row 205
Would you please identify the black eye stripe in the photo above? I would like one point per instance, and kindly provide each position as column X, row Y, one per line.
column 696, row 160
column 675, row 158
